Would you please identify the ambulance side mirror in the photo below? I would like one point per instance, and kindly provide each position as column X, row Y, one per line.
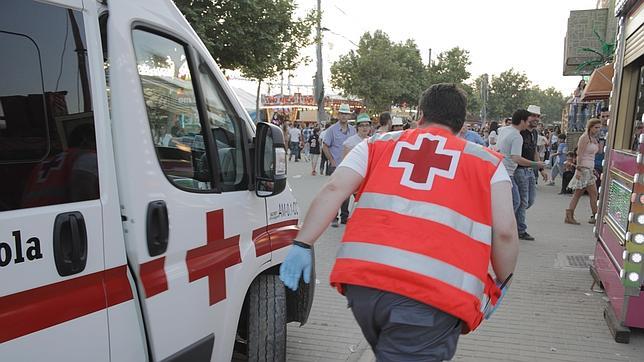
column 270, row 160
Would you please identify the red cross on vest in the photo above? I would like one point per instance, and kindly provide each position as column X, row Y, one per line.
column 423, row 160
column 212, row 259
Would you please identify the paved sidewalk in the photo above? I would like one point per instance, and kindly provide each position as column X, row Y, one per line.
column 550, row 313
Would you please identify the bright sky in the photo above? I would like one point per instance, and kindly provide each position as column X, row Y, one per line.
column 500, row 34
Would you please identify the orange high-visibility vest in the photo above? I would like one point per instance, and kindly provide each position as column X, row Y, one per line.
column 423, row 224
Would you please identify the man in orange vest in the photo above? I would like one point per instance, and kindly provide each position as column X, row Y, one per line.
column 434, row 210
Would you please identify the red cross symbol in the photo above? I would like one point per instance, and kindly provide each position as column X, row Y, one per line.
column 424, row 160
column 212, row 259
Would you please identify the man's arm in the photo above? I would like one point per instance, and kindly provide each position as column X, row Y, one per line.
column 324, row 207
column 505, row 240
column 327, row 153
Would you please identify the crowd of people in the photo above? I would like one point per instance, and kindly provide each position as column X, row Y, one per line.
column 408, row 176
column 530, row 149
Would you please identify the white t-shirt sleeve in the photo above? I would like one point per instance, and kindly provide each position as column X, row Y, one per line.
column 358, row 158
column 500, row 175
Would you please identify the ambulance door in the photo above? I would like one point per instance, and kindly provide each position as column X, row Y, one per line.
column 54, row 178
column 183, row 173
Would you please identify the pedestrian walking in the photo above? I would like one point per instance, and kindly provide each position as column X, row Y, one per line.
column 558, row 158
column 306, row 135
column 584, row 179
column 295, row 140
column 510, row 145
column 526, row 176
column 314, row 148
column 569, row 171
column 385, row 122
column 470, row 135
column 414, row 289
column 333, row 147
column 493, row 135
column 324, row 162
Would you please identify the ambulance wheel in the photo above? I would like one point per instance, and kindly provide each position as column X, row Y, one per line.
column 267, row 319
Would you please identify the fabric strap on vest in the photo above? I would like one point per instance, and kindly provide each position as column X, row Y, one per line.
column 428, row 211
column 478, row 151
column 415, row 263
column 395, row 135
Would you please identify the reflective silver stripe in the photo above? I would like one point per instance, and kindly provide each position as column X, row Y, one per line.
column 428, row 211
column 478, row 151
column 386, row 136
column 413, row 262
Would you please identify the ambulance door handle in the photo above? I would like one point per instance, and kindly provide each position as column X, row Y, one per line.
column 157, row 228
column 70, row 243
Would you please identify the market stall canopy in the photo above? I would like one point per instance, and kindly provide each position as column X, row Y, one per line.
column 600, row 84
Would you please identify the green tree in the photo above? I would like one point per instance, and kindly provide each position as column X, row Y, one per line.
column 551, row 102
column 451, row 66
column 380, row 72
column 261, row 37
column 509, row 91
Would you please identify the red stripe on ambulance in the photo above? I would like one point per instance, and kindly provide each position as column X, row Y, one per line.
column 39, row 308
column 153, row 277
column 275, row 236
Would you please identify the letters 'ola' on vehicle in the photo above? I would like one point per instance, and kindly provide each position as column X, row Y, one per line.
column 143, row 216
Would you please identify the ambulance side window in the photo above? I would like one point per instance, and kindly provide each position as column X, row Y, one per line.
column 226, row 132
column 47, row 137
column 171, row 104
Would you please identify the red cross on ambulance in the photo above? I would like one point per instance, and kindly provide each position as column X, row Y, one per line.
column 424, row 160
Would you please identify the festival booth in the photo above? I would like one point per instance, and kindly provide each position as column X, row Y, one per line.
column 302, row 109
column 619, row 251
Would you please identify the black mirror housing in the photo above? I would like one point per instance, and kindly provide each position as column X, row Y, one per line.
column 270, row 160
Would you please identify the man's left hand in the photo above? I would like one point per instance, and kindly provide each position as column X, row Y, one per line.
column 297, row 263
column 491, row 311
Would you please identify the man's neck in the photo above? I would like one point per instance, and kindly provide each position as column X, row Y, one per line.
column 436, row 125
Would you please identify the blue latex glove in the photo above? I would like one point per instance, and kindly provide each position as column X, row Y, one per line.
column 490, row 311
column 297, row 261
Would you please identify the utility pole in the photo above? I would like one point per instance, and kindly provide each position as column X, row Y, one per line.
column 319, row 83
column 484, row 94
column 429, row 63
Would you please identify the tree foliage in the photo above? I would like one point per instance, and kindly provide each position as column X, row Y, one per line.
column 509, row 91
column 261, row 37
column 551, row 102
column 451, row 66
column 249, row 34
column 381, row 72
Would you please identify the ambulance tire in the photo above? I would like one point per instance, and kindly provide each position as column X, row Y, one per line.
column 267, row 319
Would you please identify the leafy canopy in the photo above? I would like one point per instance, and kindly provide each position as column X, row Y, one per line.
column 381, row 72
column 259, row 37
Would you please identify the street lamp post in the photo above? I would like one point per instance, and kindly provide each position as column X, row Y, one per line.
column 319, row 82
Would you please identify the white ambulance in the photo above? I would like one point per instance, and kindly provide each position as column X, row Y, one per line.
column 143, row 216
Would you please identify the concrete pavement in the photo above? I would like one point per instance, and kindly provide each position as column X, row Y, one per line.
column 550, row 313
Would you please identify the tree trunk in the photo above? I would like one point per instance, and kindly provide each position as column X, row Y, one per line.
column 259, row 86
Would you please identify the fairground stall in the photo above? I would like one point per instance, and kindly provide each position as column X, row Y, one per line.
column 617, row 265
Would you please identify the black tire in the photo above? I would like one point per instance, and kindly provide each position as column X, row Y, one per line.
column 267, row 319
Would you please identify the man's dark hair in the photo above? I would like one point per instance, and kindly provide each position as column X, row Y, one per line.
column 520, row 115
column 562, row 136
column 385, row 118
column 446, row 104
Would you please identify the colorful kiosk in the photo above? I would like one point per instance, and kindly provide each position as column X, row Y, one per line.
column 619, row 251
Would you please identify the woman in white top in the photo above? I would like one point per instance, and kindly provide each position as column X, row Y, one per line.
column 493, row 136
